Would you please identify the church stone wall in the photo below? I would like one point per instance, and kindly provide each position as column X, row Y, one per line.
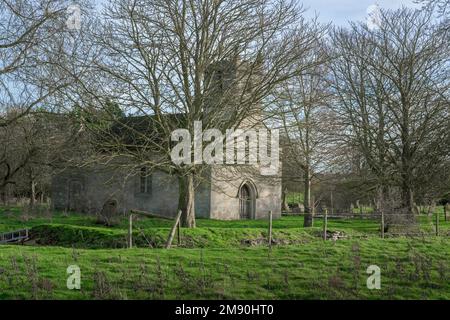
column 99, row 185
column 86, row 190
column 226, row 183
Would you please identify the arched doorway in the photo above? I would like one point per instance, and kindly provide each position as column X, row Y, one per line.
column 246, row 201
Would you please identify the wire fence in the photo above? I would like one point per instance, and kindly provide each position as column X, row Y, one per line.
column 384, row 224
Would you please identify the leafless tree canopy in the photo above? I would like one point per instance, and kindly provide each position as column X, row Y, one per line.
column 367, row 103
column 28, row 31
column 392, row 91
column 300, row 108
column 170, row 63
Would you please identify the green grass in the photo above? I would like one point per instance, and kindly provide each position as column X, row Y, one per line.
column 13, row 219
column 410, row 269
column 294, row 198
column 77, row 230
column 363, row 209
column 221, row 260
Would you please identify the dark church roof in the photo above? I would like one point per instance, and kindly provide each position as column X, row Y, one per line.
column 143, row 131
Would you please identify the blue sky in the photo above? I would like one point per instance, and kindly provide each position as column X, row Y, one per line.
column 341, row 11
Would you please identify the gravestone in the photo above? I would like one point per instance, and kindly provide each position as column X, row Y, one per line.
column 108, row 212
column 298, row 208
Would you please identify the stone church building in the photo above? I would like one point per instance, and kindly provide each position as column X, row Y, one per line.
column 222, row 194
column 225, row 192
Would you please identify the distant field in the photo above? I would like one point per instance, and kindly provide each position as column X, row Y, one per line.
column 221, row 260
column 294, row 198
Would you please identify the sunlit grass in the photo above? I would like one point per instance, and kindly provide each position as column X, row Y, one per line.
column 318, row 270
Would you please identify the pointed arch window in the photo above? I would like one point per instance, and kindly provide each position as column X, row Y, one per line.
column 145, row 181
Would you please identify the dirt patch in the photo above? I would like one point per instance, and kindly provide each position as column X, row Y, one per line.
column 332, row 235
column 265, row 242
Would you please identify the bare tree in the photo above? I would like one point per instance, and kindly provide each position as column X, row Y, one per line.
column 391, row 88
column 300, row 109
column 441, row 6
column 167, row 64
column 27, row 30
column 31, row 146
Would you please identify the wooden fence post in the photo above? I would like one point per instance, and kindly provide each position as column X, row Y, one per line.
column 437, row 222
column 130, row 232
column 382, row 224
column 325, row 224
column 178, row 234
column 172, row 231
column 270, row 229
column 331, row 202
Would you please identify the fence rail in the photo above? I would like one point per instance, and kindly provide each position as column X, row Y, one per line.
column 385, row 221
column 14, row 236
column 372, row 216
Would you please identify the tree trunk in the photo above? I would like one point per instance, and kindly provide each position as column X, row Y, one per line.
column 4, row 198
column 431, row 208
column 285, row 206
column 407, row 154
column 33, row 193
column 408, row 200
column 307, row 200
column 186, row 201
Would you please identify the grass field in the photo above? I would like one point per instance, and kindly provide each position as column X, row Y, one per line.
column 221, row 260
column 294, row 198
